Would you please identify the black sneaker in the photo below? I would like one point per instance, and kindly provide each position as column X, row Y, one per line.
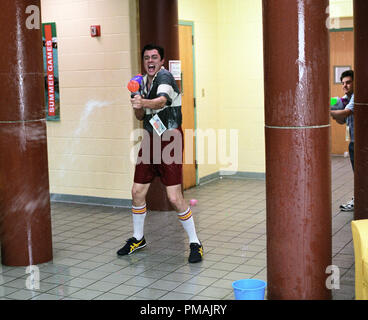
column 196, row 253
column 132, row 245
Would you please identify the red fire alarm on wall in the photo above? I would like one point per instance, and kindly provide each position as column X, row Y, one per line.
column 95, row 31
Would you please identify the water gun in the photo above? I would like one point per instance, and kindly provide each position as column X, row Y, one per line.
column 334, row 100
column 337, row 103
column 135, row 85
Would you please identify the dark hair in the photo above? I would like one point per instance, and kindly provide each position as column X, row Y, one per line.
column 347, row 73
column 153, row 47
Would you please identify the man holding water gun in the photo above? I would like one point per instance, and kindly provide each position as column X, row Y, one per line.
column 343, row 111
column 157, row 102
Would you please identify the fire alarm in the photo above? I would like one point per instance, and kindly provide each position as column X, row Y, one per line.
column 95, row 31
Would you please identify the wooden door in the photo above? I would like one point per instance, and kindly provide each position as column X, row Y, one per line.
column 341, row 54
column 188, row 104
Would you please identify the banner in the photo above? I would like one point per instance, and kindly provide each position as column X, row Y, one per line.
column 51, row 71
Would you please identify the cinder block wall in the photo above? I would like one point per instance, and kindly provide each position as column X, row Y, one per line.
column 89, row 148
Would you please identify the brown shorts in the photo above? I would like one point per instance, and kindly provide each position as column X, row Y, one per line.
column 163, row 159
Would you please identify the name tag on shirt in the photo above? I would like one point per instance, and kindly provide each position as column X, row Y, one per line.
column 157, row 125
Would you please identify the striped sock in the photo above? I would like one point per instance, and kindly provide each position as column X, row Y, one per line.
column 139, row 214
column 187, row 222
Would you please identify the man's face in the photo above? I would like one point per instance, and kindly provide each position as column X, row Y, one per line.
column 152, row 62
column 347, row 85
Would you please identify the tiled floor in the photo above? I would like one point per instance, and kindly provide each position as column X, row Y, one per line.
column 230, row 219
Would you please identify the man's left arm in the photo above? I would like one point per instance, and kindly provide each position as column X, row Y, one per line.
column 341, row 115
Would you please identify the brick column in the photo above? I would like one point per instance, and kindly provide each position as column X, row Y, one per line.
column 298, row 166
column 361, row 110
column 25, row 222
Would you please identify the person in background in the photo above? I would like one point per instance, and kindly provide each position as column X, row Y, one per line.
column 343, row 112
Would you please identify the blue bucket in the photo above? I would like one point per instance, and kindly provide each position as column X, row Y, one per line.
column 249, row 289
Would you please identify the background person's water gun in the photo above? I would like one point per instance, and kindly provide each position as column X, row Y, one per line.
column 135, row 85
column 338, row 103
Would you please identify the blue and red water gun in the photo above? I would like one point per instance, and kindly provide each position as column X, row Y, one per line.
column 135, row 85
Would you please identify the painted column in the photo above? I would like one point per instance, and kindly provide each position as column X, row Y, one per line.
column 25, row 221
column 159, row 25
column 297, row 131
column 361, row 110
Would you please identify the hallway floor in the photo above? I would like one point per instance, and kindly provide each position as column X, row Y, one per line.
column 230, row 218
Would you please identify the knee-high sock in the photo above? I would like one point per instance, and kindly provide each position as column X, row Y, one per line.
column 139, row 214
column 187, row 222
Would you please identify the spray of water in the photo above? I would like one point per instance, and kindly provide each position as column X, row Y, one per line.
column 90, row 106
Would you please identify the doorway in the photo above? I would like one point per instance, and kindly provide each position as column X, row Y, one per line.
column 186, row 51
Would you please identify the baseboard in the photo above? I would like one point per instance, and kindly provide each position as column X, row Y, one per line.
column 111, row 202
column 209, row 178
column 237, row 175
